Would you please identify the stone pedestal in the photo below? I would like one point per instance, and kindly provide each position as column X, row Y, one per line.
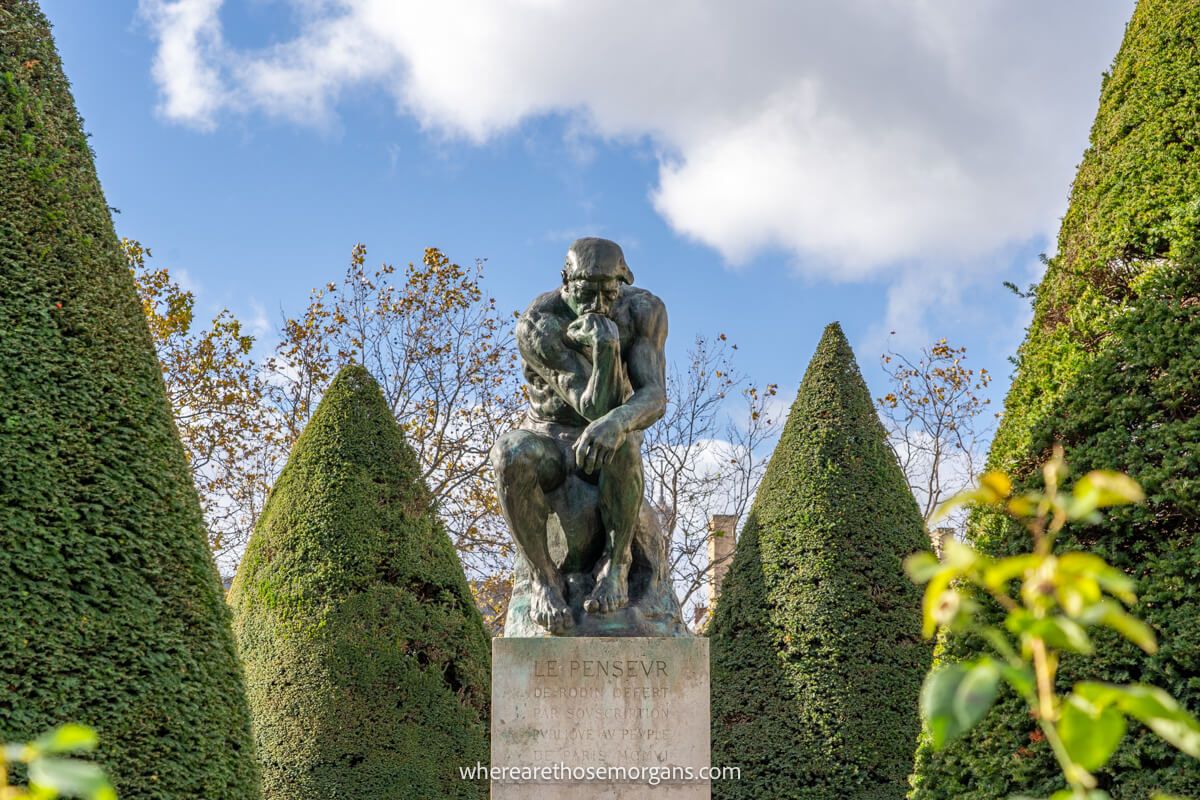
column 631, row 713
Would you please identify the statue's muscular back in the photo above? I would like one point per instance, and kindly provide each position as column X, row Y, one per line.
column 542, row 340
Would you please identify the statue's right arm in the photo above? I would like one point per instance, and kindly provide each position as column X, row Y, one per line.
column 542, row 344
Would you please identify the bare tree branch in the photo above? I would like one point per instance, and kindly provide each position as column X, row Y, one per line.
column 706, row 457
column 933, row 416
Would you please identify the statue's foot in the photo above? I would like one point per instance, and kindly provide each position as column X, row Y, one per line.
column 611, row 591
column 548, row 609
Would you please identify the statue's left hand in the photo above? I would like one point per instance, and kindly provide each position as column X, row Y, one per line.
column 598, row 444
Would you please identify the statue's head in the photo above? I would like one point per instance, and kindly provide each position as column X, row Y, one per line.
column 593, row 274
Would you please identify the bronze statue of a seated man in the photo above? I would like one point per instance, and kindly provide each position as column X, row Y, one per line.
column 594, row 362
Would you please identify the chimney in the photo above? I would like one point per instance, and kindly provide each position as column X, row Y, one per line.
column 940, row 537
column 723, row 530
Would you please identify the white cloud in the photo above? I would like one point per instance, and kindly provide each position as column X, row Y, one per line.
column 862, row 138
column 189, row 42
column 258, row 323
column 187, row 282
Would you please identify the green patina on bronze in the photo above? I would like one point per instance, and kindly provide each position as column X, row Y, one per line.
column 592, row 556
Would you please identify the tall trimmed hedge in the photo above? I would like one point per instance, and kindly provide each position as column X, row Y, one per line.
column 111, row 611
column 1111, row 368
column 817, row 655
column 366, row 660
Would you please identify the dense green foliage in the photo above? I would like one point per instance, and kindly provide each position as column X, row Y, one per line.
column 1111, row 366
column 817, row 656
column 366, row 660
column 1135, row 409
column 111, row 611
column 1136, row 197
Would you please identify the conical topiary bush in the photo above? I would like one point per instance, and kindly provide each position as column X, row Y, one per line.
column 111, row 611
column 817, row 656
column 366, row 660
column 1110, row 368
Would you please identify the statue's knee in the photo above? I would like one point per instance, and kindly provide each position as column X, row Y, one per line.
column 502, row 447
column 507, row 452
column 516, row 457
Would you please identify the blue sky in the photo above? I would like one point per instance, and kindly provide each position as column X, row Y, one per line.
column 769, row 167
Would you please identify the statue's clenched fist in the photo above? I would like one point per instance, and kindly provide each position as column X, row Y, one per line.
column 590, row 330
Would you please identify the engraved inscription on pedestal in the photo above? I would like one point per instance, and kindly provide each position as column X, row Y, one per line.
column 633, row 713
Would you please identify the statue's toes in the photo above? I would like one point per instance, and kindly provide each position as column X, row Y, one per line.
column 601, row 603
column 605, row 602
column 562, row 620
column 552, row 618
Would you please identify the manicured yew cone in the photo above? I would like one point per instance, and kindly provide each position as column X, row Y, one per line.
column 1110, row 367
column 366, row 660
column 817, row 655
column 111, row 611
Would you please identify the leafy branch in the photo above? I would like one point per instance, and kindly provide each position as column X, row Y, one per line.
column 1050, row 600
column 51, row 775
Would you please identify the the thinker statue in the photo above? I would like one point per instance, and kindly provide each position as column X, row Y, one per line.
column 592, row 556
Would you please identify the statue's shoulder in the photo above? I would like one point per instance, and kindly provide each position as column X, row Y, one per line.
column 643, row 309
column 547, row 307
column 546, row 304
column 641, row 301
column 542, row 320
